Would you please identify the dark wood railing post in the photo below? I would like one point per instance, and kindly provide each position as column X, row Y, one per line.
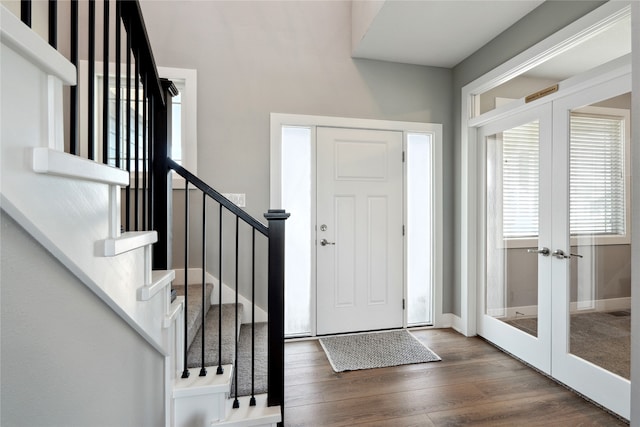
column 275, row 373
column 162, row 188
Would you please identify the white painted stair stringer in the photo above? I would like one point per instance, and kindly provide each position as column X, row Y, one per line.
column 69, row 214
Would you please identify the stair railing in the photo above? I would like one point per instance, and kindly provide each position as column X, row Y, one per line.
column 133, row 132
column 125, row 109
column 275, row 283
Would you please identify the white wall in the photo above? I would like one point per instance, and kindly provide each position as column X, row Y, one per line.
column 67, row 358
column 256, row 57
column 362, row 15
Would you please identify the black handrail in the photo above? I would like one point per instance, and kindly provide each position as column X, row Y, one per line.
column 132, row 19
column 218, row 197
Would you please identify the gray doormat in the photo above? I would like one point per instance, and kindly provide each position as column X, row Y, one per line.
column 375, row 350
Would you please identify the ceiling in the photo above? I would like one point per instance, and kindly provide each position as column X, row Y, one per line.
column 437, row 33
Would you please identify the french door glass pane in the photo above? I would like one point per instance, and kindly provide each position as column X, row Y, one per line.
column 600, row 310
column 512, row 198
column 296, row 199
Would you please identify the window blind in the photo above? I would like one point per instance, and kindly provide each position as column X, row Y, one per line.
column 520, row 181
column 597, row 187
column 597, row 183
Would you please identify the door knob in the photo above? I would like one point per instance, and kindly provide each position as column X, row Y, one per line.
column 324, row 242
column 543, row 251
column 559, row 253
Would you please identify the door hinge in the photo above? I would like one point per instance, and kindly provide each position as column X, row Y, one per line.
column 403, row 230
column 403, row 157
column 403, row 303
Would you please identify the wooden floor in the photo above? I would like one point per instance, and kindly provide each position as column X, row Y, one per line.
column 474, row 385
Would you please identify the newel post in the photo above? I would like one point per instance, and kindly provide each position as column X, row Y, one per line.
column 162, row 201
column 275, row 376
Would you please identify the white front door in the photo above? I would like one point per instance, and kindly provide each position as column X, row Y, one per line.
column 359, row 230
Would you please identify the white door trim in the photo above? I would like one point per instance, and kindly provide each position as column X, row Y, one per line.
column 553, row 45
column 280, row 119
column 635, row 274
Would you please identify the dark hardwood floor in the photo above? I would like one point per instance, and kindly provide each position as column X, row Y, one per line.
column 474, row 385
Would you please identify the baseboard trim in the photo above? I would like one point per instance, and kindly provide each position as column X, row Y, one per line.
column 610, row 304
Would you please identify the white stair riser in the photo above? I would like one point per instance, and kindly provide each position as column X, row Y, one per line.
column 198, row 411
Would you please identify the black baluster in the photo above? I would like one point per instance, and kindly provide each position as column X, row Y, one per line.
column 220, row 369
column 144, row 152
column 185, row 372
column 118, row 112
column 127, row 196
column 152, row 158
column 236, row 402
column 203, row 370
column 91, row 81
column 105, row 86
column 73, row 90
column 53, row 23
column 25, row 12
column 136, row 123
column 252, row 401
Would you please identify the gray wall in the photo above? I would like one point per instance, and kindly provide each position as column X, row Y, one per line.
column 543, row 21
column 68, row 359
column 255, row 57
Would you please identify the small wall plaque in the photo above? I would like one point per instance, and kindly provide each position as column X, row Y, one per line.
column 541, row 93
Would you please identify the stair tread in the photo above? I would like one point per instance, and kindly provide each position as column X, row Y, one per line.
column 211, row 337
column 247, row 416
column 196, row 385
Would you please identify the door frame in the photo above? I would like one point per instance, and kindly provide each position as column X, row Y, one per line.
column 435, row 130
column 564, row 39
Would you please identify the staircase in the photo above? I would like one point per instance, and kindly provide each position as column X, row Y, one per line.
column 205, row 398
column 72, row 206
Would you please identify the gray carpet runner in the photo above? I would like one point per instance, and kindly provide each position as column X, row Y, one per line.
column 211, row 341
column 194, row 306
column 194, row 336
column 244, row 361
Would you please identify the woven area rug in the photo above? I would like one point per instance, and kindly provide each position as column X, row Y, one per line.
column 375, row 350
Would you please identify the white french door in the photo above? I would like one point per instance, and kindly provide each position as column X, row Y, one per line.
column 555, row 277
column 515, row 303
column 359, row 243
column 594, row 264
